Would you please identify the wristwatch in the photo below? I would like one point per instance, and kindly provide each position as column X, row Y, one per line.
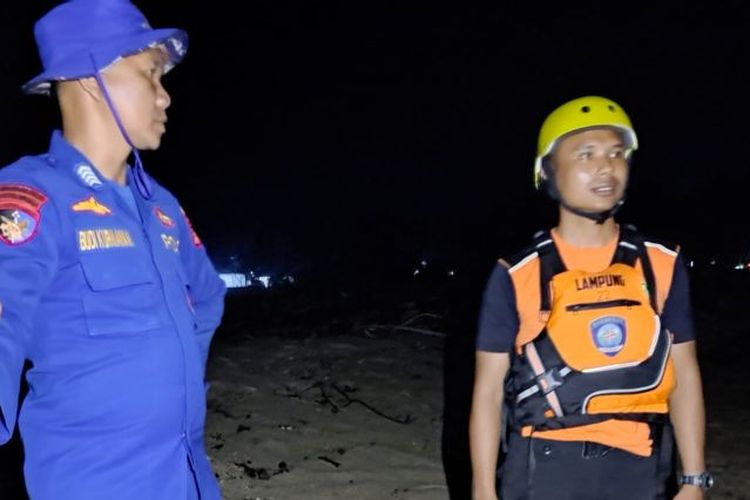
column 704, row 480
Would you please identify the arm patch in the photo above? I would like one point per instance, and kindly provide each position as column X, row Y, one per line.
column 20, row 213
column 193, row 235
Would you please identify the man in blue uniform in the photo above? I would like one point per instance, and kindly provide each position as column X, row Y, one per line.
column 104, row 286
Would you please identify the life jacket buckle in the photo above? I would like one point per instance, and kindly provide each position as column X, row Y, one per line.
column 549, row 380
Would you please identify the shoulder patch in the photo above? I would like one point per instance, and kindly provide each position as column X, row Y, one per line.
column 87, row 176
column 193, row 235
column 20, row 213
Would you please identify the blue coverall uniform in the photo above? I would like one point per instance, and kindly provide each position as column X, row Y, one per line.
column 115, row 309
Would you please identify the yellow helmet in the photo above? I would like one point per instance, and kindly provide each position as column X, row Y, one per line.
column 579, row 114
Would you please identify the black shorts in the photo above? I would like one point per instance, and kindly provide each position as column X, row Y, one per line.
column 543, row 469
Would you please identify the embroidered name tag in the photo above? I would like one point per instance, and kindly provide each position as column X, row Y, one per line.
column 96, row 239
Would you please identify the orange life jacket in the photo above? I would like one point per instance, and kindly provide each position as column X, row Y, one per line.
column 602, row 352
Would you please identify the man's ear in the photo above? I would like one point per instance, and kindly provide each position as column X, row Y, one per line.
column 547, row 168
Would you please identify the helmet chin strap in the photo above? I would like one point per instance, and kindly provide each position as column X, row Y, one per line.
column 554, row 193
column 598, row 217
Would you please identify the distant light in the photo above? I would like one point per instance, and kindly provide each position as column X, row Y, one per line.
column 423, row 263
column 713, row 262
column 234, row 280
column 416, row 271
column 451, row 273
column 266, row 280
column 739, row 267
column 692, row 263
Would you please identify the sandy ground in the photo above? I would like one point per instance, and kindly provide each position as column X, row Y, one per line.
column 306, row 402
column 723, row 354
column 314, row 416
column 325, row 418
column 287, row 420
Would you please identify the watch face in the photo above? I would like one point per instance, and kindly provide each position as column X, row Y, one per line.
column 708, row 481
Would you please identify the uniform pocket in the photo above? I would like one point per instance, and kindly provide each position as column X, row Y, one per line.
column 123, row 296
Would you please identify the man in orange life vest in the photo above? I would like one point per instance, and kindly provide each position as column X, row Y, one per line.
column 585, row 346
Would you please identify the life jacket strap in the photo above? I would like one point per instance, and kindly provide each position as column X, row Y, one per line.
column 550, row 264
column 546, row 380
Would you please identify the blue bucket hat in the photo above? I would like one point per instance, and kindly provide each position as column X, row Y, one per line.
column 81, row 38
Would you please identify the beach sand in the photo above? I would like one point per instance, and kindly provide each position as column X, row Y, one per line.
column 325, row 418
column 309, row 400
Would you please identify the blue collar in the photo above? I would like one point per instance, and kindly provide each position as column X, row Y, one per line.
column 71, row 161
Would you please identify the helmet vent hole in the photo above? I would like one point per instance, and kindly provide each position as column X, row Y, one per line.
column 585, row 109
column 611, row 108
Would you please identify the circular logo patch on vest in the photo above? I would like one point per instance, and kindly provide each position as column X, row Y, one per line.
column 609, row 334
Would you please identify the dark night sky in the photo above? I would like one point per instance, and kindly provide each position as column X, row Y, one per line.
column 305, row 130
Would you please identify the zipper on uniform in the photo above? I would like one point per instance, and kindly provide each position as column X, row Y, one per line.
column 602, row 305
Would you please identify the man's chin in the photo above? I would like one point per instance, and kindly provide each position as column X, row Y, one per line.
column 151, row 145
column 605, row 205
